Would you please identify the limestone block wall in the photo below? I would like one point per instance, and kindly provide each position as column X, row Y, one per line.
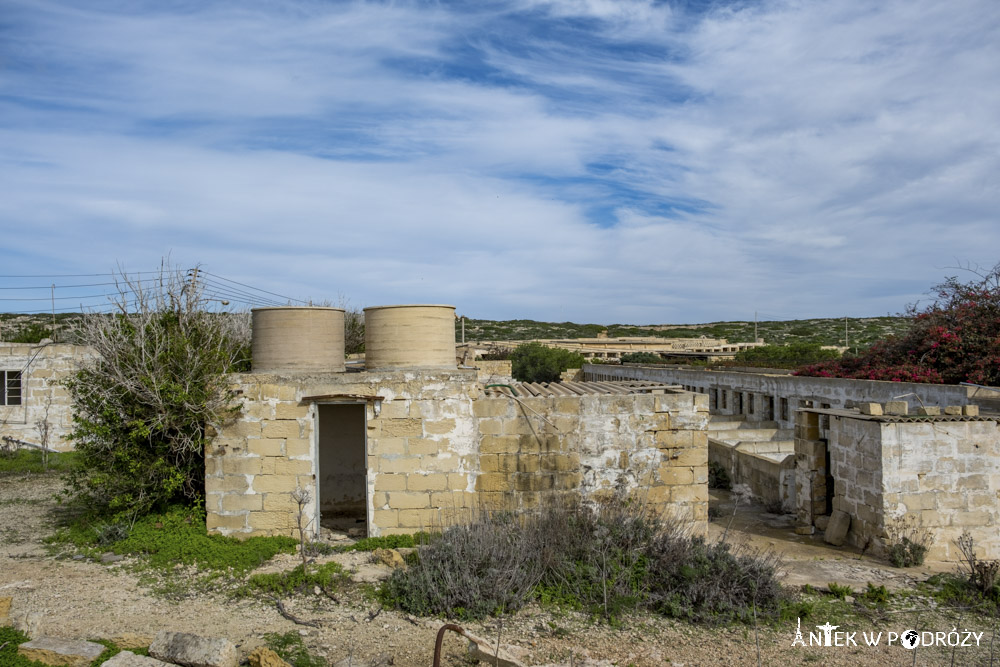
column 419, row 446
column 437, row 450
column 768, row 468
column 43, row 398
column 946, row 473
column 544, row 449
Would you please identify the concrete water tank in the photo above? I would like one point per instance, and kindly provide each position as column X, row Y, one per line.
column 290, row 338
column 417, row 336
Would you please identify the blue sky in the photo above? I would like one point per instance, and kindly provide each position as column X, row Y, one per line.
column 587, row 160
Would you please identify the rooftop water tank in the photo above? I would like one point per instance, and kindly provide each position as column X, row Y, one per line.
column 409, row 336
column 290, row 338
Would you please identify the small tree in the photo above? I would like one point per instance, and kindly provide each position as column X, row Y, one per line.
column 143, row 406
column 534, row 362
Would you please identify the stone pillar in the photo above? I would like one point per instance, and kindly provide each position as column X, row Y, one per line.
column 810, row 472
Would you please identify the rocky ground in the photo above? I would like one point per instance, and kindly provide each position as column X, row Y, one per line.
column 85, row 599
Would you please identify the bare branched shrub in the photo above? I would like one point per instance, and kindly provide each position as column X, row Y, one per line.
column 906, row 541
column 143, row 407
column 982, row 574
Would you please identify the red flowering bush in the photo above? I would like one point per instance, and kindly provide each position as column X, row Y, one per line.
column 955, row 339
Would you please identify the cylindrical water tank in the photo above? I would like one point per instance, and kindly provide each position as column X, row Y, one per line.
column 290, row 338
column 409, row 336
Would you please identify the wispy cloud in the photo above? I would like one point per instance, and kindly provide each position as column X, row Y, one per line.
column 566, row 159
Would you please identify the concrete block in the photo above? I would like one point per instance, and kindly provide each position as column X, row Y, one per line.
column 929, row 410
column 953, row 409
column 870, row 408
column 836, row 530
column 55, row 651
column 970, row 410
column 194, row 651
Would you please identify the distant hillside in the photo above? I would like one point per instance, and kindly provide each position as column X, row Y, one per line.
column 825, row 331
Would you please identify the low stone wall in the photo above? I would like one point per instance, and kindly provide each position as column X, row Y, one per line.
column 768, row 468
column 499, row 372
column 43, row 367
column 774, row 397
column 437, row 450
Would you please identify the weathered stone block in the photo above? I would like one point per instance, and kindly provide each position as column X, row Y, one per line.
column 402, row 428
column 408, row 500
column 499, row 444
column 386, row 518
column 266, row 446
column 278, row 520
column 970, row 410
column 953, row 410
column 494, row 482
column 390, row 482
column 292, row 467
column 930, row 410
column 284, row 428
column 493, row 407
column 439, row 426
column 897, row 408
column 426, row 446
column 234, row 502
column 194, row 651
column 55, row 651
column 277, row 502
column 490, row 426
column 262, row 656
column 241, row 465
column 129, row 659
column 274, row 484
column 836, row 530
column 420, row 519
column 226, row 521
column 427, row 482
column 227, row 484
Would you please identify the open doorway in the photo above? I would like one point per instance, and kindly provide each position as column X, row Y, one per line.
column 342, row 487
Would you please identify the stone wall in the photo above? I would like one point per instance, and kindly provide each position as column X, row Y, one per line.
column 499, row 371
column 43, row 367
column 539, row 448
column 775, row 397
column 768, row 468
column 437, row 450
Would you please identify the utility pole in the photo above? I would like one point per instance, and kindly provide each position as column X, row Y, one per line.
column 755, row 326
column 463, row 329
column 53, row 311
column 847, row 342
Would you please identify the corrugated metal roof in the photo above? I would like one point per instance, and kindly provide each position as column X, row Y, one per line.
column 549, row 389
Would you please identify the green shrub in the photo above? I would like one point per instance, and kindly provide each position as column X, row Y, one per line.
column 33, row 461
column 31, row 334
column 875, row 595
column 142, row 405
column 838, row 591
column 534, row 362
column 791, row 355
column 907, row 541
column 641, row 358
column 296, row 580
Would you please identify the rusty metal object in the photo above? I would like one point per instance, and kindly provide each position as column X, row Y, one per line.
column 440, row 639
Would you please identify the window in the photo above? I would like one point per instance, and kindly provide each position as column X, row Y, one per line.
column 10, row 387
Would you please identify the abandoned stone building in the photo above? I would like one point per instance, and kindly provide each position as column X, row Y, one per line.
column 414, row 442
column 34, row 406
column 822, row 446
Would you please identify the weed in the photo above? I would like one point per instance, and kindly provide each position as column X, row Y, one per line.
column 24, row 461
column 714, row 513
column 907, row 541
column 981, row 574
column 838, row 591
column 292, row 650
column 875, row 595
column 296, row 580
column 388, row 542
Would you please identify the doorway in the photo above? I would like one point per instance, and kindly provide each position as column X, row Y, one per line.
column 341, row 449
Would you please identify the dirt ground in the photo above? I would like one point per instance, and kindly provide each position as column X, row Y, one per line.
column 81, row 598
